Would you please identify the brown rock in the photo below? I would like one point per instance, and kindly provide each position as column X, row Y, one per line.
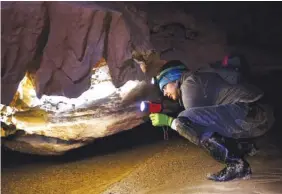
column 22, row 25
column 80, row 38
column 74, row 37
column 73, row 46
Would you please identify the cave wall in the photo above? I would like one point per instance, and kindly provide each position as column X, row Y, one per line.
column 251, row 29
column 61, row 42
column 21, row 27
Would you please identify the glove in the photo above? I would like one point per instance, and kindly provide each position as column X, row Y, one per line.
column 159, row 120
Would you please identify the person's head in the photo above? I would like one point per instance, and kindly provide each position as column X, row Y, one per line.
column 168, row 76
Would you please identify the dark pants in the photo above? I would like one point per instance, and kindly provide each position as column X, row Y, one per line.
column 239, row 120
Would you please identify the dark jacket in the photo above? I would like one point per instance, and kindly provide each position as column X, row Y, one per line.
column 206, row 89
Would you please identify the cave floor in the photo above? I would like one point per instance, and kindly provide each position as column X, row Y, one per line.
column 158, row 166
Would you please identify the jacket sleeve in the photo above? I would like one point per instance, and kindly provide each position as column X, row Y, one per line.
column 191, row 93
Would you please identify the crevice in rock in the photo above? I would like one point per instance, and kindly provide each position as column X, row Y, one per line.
column 41, row 42
column 106, row 29
column 3, row 69
column 86, row 38
column 188, row 33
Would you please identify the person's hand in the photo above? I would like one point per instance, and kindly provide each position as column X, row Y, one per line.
column 159, row 120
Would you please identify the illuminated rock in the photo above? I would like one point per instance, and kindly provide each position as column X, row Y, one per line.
column 51, row 93
column 54, row 124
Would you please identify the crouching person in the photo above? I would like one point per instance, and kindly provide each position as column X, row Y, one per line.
column 220, row 117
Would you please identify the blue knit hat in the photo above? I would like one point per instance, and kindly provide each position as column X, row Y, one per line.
column 170, row 74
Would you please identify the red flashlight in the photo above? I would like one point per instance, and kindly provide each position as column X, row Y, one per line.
column 151, row 107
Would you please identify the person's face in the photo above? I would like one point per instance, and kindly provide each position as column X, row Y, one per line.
column 170, row 90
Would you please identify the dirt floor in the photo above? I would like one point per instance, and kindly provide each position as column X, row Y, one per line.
column 181, row 168
column 138, row 166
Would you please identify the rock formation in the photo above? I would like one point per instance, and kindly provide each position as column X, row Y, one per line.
column 62, row 41
column 61, row 46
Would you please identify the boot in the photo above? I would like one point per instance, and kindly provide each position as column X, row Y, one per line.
column 248, row 147
column 240, row 169
column 236, row 166
column 241, row 146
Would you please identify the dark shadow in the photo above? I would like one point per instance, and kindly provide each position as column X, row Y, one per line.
column 142, row 135
column 271, row 85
